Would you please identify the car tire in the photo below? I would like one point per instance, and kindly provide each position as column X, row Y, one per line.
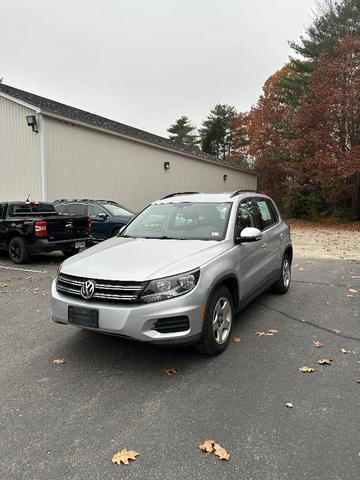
column 283, row 284
column 70, row 252
column 18, row 250
column 219, row 314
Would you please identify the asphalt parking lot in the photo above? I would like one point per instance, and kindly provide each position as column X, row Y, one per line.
column 66, row 422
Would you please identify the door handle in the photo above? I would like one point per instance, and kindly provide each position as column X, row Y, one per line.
column 264, row 245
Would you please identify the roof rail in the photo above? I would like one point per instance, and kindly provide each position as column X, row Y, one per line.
column 179, row 193
column 239, row 192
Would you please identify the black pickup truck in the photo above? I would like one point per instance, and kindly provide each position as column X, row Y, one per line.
column 33, row 227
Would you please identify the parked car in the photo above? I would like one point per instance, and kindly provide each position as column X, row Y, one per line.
column 35, row 227
column 107, row 217
column 179, row 271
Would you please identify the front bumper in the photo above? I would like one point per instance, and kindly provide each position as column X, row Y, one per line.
column 137, row 321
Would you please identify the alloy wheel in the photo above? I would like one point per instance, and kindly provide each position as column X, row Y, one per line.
column 222, row 320
column 286, row 273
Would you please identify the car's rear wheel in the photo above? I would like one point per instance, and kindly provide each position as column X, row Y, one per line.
column 18, row 250
column 219, row 317
column 283, row 284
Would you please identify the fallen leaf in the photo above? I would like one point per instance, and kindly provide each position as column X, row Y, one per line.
column 350, row 295
column 124, row 456
column 357, row 277
column 170, row 371
column 237, row 339
column 267, row 333
column 290, row 405
column 220, row 452
column 325, row 361
column 59, row 361
column 301, row 269
column 317, row 344
column 352, row 290
column 306, row 369
column 207, row 446
column 344, row 351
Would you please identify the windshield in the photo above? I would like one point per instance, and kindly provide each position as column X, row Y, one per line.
column 116, row 209
column 182, row 221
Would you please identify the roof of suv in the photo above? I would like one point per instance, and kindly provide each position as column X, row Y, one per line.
column 83, row 200
column 205, row 197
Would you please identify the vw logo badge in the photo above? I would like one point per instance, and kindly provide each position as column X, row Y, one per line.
column 88, row 289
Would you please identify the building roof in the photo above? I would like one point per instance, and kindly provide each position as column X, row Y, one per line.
column 51, row 107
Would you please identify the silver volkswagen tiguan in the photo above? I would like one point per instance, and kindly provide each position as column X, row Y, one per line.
column 179, row 271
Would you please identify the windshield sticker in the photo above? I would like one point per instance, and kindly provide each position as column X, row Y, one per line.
column 215, row 234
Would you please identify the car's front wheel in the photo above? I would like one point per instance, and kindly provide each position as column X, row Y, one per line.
column 219, row 317
column 283, row 284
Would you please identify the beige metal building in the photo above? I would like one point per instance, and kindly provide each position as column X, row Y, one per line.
column 50, row 151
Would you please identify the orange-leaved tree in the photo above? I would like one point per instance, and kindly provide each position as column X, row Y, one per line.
column 327, row 145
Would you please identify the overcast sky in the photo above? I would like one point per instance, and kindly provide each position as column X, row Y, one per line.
column 147, row 62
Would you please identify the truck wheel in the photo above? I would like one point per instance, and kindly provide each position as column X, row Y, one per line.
column 283, row 284
column 18, row 250
column 219, row 317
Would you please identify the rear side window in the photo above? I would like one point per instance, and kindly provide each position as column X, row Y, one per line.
column 265, row 213
column 94, row 210
column 2, row 210
column 77, row 209
column 61, row 208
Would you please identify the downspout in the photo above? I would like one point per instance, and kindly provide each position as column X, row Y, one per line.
column 41, row 123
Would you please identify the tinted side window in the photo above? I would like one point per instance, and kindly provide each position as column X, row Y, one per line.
column 61, row 208
column 77, row 209
column 244, row 217
column 265, row 213
column 94, row 210
column 2, row 209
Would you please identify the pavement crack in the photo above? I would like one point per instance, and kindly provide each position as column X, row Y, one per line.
column 309, row 322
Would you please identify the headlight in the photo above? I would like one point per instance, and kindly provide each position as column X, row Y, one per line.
column 170, row 287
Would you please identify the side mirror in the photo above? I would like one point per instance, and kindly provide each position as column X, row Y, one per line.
column 249, row 234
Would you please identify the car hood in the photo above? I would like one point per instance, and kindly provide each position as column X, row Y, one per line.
column 140, row 259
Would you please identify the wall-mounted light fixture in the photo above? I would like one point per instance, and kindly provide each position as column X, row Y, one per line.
column 167, row 165
column 225, row 177
column 31, row 121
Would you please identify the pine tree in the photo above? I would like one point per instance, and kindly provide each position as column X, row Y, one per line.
column 334, row 21
column 183, row 132
column 216, row 132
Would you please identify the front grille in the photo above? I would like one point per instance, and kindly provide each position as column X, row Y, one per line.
column 172, row 324
column 105, row 290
